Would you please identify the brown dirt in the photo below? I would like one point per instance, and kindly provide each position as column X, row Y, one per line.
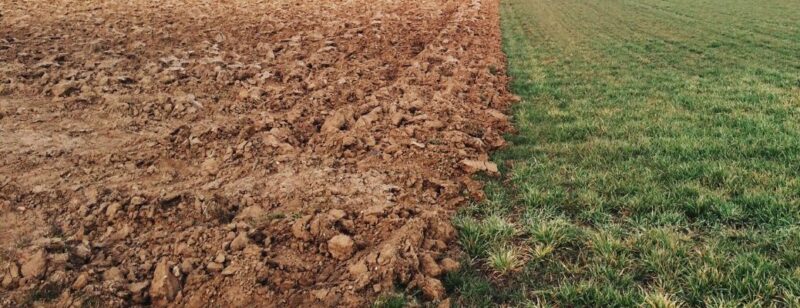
column 235, row 153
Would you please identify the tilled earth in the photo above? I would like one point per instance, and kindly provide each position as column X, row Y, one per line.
column 237, row 153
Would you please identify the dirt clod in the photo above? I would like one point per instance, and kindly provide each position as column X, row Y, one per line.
column 8, row 282
column 112, row 209
column 81, row 281
column 65, row 88
column 240, row 242
column 113, row 274
column 214, row 267
column 210, row 166
column 340, row 246
column 164, row 286
column 429, row 266
column 432, row 288
column 36, row 266
column 450, row 265
column 472, row 166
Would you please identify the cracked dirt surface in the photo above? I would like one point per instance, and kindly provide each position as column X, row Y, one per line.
column 238, row 153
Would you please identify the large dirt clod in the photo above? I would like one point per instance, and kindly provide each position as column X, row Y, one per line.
column 341, row 246
column 35, row 266
column 165, row 286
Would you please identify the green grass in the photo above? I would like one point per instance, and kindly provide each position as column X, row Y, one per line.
column 391, row 300
column 657, row 161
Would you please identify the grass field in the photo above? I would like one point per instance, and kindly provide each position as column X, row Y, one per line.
column 657, row 160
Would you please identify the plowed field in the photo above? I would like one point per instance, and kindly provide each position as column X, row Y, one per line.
column 239, row 153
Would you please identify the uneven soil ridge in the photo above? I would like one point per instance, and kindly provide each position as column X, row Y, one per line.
column 239, row 153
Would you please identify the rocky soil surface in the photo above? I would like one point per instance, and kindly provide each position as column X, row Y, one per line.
column 236, row 153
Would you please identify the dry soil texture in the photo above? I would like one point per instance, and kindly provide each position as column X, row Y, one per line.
column 229, row 153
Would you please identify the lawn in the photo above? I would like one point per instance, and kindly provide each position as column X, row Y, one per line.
column 657, row 158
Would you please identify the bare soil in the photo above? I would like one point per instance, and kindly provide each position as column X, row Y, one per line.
column 236, row 153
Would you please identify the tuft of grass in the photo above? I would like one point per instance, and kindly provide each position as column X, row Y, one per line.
column 391, row 300
column 505, row 259
column 478, row 237
column 551, row 231
column 541, row 251
column 660, row 300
